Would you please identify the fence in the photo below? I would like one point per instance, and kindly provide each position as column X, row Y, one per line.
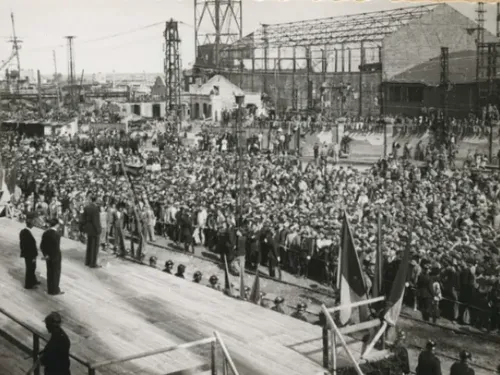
column 228, row 366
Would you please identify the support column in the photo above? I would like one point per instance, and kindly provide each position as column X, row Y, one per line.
column 342, row 57
column 309, row 81
column 253, row 70
column 349, row 60
column 361, row 68
column 266, row 53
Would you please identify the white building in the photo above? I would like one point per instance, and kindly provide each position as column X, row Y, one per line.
column 209, row 100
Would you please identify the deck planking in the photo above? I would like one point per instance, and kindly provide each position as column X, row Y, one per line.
column 123, row 309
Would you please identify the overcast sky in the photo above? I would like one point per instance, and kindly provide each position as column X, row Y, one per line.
column 42, row 25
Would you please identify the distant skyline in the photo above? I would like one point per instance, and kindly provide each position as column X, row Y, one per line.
column 42, row 25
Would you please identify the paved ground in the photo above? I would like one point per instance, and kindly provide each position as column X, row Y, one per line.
column 451, row 338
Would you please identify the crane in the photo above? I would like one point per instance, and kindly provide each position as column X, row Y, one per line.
column 16, row 46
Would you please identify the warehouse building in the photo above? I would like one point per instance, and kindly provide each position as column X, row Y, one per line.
column 337, row 64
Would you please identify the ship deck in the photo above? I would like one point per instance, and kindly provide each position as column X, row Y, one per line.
column 124, row 308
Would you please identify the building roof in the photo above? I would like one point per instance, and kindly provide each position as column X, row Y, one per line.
column 225, row 86
column 159, row 81
column 461, row 65
column 354, row 28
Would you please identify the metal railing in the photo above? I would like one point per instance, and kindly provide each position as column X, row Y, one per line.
column 37, row 335
column 228, row 366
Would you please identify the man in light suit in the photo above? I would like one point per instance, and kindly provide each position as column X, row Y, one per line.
column 92, row 227
column 29, row 252
column 51, row 249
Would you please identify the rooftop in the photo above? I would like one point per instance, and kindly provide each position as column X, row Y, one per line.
column 353, row 28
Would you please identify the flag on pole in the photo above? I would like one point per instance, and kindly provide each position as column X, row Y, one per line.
column 227, row 284
column 255, row 292
column 339, row 262
column 395, row 300
column 377, row 278
column 352, row 283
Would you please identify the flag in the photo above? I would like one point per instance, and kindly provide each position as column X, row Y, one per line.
column 352, row 283
column 395, row 300
column 227, row 284
column 255, row 292
column 377, row 278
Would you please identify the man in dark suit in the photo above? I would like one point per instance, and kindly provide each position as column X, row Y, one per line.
column 270, row 246
column 92, row 227
column 55, row 356
column 51, row 249
column 29, row 252
column 428, row 363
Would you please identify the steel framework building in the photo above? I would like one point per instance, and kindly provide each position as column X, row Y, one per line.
column 339, row 61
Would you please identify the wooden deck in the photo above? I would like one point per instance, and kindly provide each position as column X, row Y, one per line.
column 124, row 309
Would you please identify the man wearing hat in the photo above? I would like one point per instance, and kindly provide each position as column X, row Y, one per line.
column 55, row 356
column 425, row 292
column 428, row 363
column 92, row 227
column 462, row 367
column 299, row 313
column 51, row 249
column 29, row 252
column 278, row 305
column 401, row 353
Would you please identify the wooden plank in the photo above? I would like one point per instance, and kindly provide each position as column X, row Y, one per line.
column 123, row 309
column 360, row 326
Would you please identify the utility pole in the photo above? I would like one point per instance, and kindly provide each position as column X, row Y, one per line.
column 56, row 80
column 498, row 20
column 442, row 131
column 173, row 71
column 71, row 71
column 239, row 161
column 39, row 89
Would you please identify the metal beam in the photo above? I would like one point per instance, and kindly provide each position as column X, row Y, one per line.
column 354, row 28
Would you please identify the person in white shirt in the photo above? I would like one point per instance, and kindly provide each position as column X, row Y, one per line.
column 201, row 225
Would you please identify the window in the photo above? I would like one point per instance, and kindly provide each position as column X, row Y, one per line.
column 394, row 93
column 415, row 94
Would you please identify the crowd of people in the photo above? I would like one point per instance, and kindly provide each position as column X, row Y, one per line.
column 277, row 211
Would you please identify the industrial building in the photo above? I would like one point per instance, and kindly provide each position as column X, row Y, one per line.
column 419, row 89
column 336, row 65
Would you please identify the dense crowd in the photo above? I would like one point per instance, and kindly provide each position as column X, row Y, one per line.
column 278, row 211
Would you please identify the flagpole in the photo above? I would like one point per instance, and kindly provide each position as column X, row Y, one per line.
column 374, row 341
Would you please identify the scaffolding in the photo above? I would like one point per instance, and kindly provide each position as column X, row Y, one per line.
column 173, row 71
column 217, row 23
column 314, row 49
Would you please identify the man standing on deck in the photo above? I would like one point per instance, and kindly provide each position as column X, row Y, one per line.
column 55, row 356
column 29, row 252
column 92, row 227
column 51, row 249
